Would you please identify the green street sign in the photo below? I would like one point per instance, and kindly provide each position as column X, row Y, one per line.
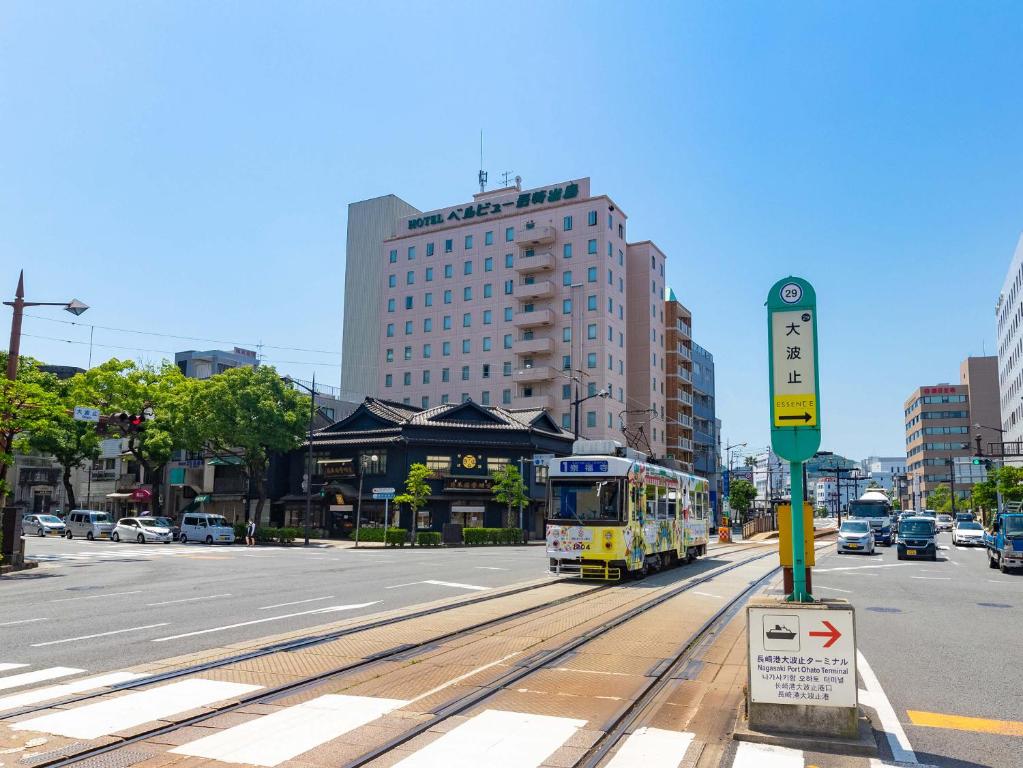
column 795, row 390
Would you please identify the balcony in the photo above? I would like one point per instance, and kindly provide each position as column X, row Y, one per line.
column 685, row 445
column 536, row 373
column 533, row 347
column 538, row 290
column 533, row 319
column 536, row 401
column 686, row 329
column 685, row 375
column 686, row 421
column 530, row 237
column 684, row 352
column 540, row 262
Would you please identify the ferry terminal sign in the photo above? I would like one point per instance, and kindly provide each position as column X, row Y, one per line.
column 481, row 210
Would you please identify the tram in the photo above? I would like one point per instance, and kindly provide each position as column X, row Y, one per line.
column 612, row 514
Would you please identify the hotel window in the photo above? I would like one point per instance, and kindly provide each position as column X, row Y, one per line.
column 428, row 300
column 485, row 400
column 621, row 285
column 591, row 359
column 488, row 238
column 508, row 314
column 388, row 380
column 448, row 271
column 427, row 351
column 488, row 264
column 507, row 341
column 610, row 278
column 439, row 463
column 610, row 222
column 444, row 399
column 566, row 421
column 506, row 396
column 591, row 331
column 429, row 249
column 591, row 388
column 591, row 303
column 411, row 252
column 467, row 268
column 446, row 322
column 408, row 302
column 566, row 362
column 591, row 275
column 390, row 329
column 445, row 374
column 621, row 231
column 566, row 223
column 426, row 376
column 610, row 333
column 566, row 391
column 429, row 274
column 467, row 320
column 529, row 253
column 465, row 397
column 466, row 346
column 407, row 378
column 621, row 258
column 426, row 398
column 488, row 316
column 509, row 260
column 591, row 218
column 465, row 373
column 468, row 242
column 506, row 369
column 408, row 327
column 392, row 281
column 509, row 234
column 486, row 344
column 527, row 391
column 408, row 353
column 566, row 334
column 591, row 246
column 621, row 312
column 566, row 251
column 447, row 296
column 410, row 278
column 467, row 293
column 591, row 419
column 509, row 287
column 566, row 278
column 390, row 355
column 488, row 290
column 448, row 245
column 390, row 305
column 566, row 306
column 610, row 306
column 486, row 370
column 610, row 250
column 393, row 258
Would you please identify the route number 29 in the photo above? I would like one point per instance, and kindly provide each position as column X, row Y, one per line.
column 791, row 293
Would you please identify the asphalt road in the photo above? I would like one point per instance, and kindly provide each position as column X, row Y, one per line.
column 101, row 606
column 941, row 637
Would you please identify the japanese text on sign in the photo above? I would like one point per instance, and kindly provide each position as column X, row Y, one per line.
column 481, row 210
column 795, row 385
column 584, row 466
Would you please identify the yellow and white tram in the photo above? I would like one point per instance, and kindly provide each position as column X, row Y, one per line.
column 611, row 516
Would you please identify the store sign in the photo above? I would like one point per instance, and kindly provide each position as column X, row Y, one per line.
column 492, row 208
column 468, row 484
column 343, row 468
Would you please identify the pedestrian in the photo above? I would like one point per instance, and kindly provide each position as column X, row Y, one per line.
column 250, row 533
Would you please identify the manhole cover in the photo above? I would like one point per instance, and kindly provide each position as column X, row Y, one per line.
column 884, row 609
column 994, row 605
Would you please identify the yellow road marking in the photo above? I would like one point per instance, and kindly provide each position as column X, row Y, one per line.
column 961, row 723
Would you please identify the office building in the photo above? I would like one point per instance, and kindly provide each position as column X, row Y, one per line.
column 980, row 376
column 519, row 298
column 203, row 365
column 1009, row 315
column 883, row 470
column 678, row 352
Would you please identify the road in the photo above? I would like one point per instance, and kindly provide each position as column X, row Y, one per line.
column 101, row 605
column 943, row 640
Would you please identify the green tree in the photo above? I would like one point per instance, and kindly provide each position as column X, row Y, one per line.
column 248, row 414
column 940, row 499
column 22, row 403
column 510, row 490
column 417, row 491
column 741, row 493
column 896, row 504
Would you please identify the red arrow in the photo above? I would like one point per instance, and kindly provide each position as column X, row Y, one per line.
column 832, row 633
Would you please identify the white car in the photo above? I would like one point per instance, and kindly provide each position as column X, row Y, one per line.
column 968, row 533
column 141, row 530
column 42, row 525
column 945, row 522
column 855, row 536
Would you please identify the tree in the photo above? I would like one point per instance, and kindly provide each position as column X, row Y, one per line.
column 896, row 504
column 21, row 403
column 741, row 493
column 1008, row 480
column 417, row 491
column 940, row 499
column 873, row 484
column 248, row 414
column 509, row 489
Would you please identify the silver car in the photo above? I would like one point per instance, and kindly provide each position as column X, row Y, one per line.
column 855, row 536
column 42, row 525
column 142, row 530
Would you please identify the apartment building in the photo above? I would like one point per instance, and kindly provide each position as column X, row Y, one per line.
column 678, row 352
column 1009, row 315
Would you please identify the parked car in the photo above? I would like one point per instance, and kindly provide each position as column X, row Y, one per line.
column 944, row 523
column 210, row 529
column 968, row 533
column 166, row 522
column 917, row 538
column 141, row 530
column 42, row 525
column 855, row 536
column 88, row 524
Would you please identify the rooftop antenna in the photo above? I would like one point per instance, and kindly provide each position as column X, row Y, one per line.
column 483, row 174
column 505, row 177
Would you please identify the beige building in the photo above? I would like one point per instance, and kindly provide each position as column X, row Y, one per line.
column 678, row 350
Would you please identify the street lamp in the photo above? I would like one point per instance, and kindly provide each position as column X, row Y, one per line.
column 998, row 485
column 363, row 461
column 309, row 455
column 603, row 393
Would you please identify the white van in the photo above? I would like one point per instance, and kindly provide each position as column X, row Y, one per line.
column 212, row 529
column 88, row 524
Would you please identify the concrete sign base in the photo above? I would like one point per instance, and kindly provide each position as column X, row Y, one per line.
column 802, row 667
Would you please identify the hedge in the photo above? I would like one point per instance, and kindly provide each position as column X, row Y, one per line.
column 473, row 536
column 395, row 537
column 428, row 538
column 374, row 534
column 267, row 535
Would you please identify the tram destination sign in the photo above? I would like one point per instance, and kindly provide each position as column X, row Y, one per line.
column 584, row 466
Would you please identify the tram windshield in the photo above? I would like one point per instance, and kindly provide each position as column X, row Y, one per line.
column 586, row 501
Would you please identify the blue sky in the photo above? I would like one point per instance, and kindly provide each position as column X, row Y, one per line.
column 185, row 167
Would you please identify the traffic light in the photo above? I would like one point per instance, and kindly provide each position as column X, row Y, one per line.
column 136, row 422
column 121, row 421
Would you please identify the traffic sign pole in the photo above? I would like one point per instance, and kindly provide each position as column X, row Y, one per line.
column 800, row 594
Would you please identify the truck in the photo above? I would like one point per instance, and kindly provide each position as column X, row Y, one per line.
column 874, row 507
column 1004, row 539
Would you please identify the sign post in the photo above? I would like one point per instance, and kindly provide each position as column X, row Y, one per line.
column 795, row 399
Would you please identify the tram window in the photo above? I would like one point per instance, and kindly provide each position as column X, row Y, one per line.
column 586, row 500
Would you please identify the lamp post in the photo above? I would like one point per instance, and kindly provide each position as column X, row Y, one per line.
column 603, row 393
column 1001, row 460
column 521, row 477
column 309, row 454
column 363, row 461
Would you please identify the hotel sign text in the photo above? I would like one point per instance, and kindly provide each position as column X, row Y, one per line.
column 480, row 210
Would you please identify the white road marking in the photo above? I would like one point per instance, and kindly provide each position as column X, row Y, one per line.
column 652, row 748
column 95, row 597
column 706, row 594
column 454, row 584
column 272, row 739
column 20, row 621
column 460, row 678
column 189, row 599
column 37, row 695
column 834, row 589
column 490, row 568
column 296, row 602
column 27, row 678
column 932, row 578
column 331, row 609
column 858, row 567
column 111, row 715
column 6, row 666
column 496, row 738
column 902, row 751
column 750, row 755
column 99, row 634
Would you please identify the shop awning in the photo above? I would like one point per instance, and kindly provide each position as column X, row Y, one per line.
column 118, row 495
column 141, row 494
column 225, row 461
column 201, row 499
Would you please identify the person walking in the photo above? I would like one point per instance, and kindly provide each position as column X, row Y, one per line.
column 250, row 533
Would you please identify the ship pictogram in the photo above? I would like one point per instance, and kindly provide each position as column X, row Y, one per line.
column 780, row 633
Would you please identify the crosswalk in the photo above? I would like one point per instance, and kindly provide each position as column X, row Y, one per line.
column 492, row 737
column 110, row 552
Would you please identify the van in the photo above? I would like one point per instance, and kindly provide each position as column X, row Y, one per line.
column 89, row 524
column 199, row 526
column 917, row 538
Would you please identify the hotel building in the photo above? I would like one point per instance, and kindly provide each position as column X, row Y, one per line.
column 520, row 298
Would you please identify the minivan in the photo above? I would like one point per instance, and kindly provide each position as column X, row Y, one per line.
column 916, row 538
column 88, row 524
column 199, row 526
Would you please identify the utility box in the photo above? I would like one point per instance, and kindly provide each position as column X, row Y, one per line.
column 13, row 547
